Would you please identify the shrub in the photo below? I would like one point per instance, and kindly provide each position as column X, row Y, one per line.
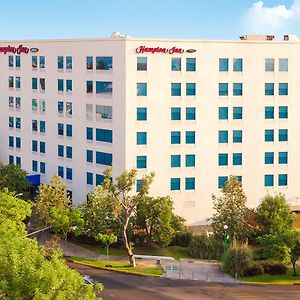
column 274, row 268
column 237, row 259
column 204, row 247
column 254, row 270
column 182, row 238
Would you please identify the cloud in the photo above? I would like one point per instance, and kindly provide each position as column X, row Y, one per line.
column 277, row 19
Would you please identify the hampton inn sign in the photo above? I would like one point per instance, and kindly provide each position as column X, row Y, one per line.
column 17, row 50
column 144, row 49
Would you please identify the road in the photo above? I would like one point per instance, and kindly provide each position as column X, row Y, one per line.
column 124, row 287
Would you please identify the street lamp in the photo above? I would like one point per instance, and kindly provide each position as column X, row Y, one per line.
column 225, row 237
column 18, row 195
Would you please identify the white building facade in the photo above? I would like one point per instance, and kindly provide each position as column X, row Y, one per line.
column 192, row 111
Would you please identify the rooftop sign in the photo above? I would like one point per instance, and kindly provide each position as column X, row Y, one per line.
column 17, row 50
column 144, row 49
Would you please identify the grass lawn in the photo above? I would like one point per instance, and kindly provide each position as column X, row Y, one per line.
column 173, row 251
column 141, row 268
column 279, row 279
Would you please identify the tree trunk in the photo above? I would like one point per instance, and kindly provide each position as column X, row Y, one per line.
column 127, row 247
column 294, row 268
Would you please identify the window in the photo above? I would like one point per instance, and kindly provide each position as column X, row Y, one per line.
column 42, row 126
column 18, row 142
column 223, row 89
column 42, row 84
column 190, row 137
column 282, row 179
column 269, row 89
column 89, row 133
column 60, row 150
column 141, row 113
column 283, row 64
column 104, row 87
column 18, row 160
column 69, row 110
column 223, row 64
column 89, row 111
column 237, row 136
column 89, row 156
column 283, row 89
column 175, row 161
column 269, row 135
column 190, row 113
column 237, row 89
column 34, row 166
column 282, row 158
column 11, row 141
column 18, row 103
column 237, row 159
column 176, row 64
column 42, row 106
column 89, row 86
column 141, row 162
column 34, row 61
column 69, row 62
column 69, row 152
column 18, row 82
column 141, row 89
column 191, row 64
column 141, row 138
column 60, row 129
column 223, row 159
column 89, row 62
column 237, row 65
column 269, row 112
column 190, row 183
column 69, row 173
column 103, row 112
column 190, row 160
column 89, row 178
column 11, row 102
column 104, row 63
column 10, row 61
column 60, row 85
column 10, row 159
column 269, row 180
column 222, row 181
column 42, row 147
column 34, row 83
column 175, row 137
column 18, row 61
column 34, row 125
column 60, row 107
column 42, row 167
column 237, row 113
column 223, row 136
column 99, row 179
column 34, row 147
column 69, row 130
column 175, row 184
column 283, row 135
column 10, row 122
column 104, row 135
column 60, row 171
column 141, row 64
column 269, row 64
column 223, row 113
column 283, row 112
column 11, row 81
column 138, row 185
column 104, row 158
column 175, row 113
column 69, row 85
column 191, row 89
column 42, row 62
column 269, row 158
column 18, row 123
column 60, row 62
column 175, row 89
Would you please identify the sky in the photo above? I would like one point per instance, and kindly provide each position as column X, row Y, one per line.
column 199, row 19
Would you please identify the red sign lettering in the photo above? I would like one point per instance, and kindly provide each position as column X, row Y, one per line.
column 16, row 50
column 144, row 49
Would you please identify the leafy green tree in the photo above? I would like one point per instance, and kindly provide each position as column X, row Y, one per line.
column 100, row 213
column 231, row 210
column 106, row 239
column 155, row 216
column 13, row 177
column 67, row 220
column 273, row 215
column 125, row 200
column 52, row 195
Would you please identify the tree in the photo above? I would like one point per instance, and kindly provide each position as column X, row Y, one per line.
column 155, row 216
column 274, row 216
column 231, row 210
column 13, row 177
column 106, row 239
column 66, row 220
column 121, row 193
column 52, row 195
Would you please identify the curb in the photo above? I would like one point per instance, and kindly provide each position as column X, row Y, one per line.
column 269, row 283
column 112, row 270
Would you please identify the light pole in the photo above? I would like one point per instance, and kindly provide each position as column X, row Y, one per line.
column 225, row 238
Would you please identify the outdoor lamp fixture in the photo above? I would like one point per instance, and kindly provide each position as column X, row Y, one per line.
column 18, row 195
column 225, row 237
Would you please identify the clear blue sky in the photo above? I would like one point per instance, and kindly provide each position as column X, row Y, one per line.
column 210, row 19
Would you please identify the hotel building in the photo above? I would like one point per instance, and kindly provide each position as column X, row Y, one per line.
column 192, row 111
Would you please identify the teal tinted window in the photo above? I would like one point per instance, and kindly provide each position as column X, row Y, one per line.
column 223, row 64
column 283, row 64
column 190, row 183
column 190, row 137
column 99, row 179
column 11, row 141
column 141, row 162
column 60, row 171
column 283, row 135
column 18, row 160
column 104, row 158
column 69, row 152
column 42, row 126
column 237, row 159
column 141, row 89
column 69, row 173
column 60, row 62
column 69, row 62
column 269, row 89
column 175, row 161
column 269, row 158
column 237, row 136
column 60, row 85
column 176, row 64
column 269, row 180
column 269, row 64
column 237, row 113
column 175, row 113
column 34, row 166
column 89, row 178
column 34, row 83
column 89, row 63
column 222, row 181
column 175, row 184
column 223, row 89
column 60, row 150
column 89, row 86
column 141, row 138
column 283, row 89
column 138, row 185
column 191, row 64
column 190, row 160
column 42, row 167
column 223, row 136
column 269, row 112
column 18, row 142
column 282, row 179
column 89, row 156
column 42, row 147
column 34, row 146
column 69, row 85
column 282, row 158
column 175, row 137
column 89, row 133
column 223, row 159
column 104, row 87
column 190, row 113
column 69, row 130
column 141, row 63
column 104, row 63
column 175, row 89
column 104, row 135
column 141, row 113
column 237, row 89
column 191, row 89
column 269, row 135
column 237, row 65
column 283, row 112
